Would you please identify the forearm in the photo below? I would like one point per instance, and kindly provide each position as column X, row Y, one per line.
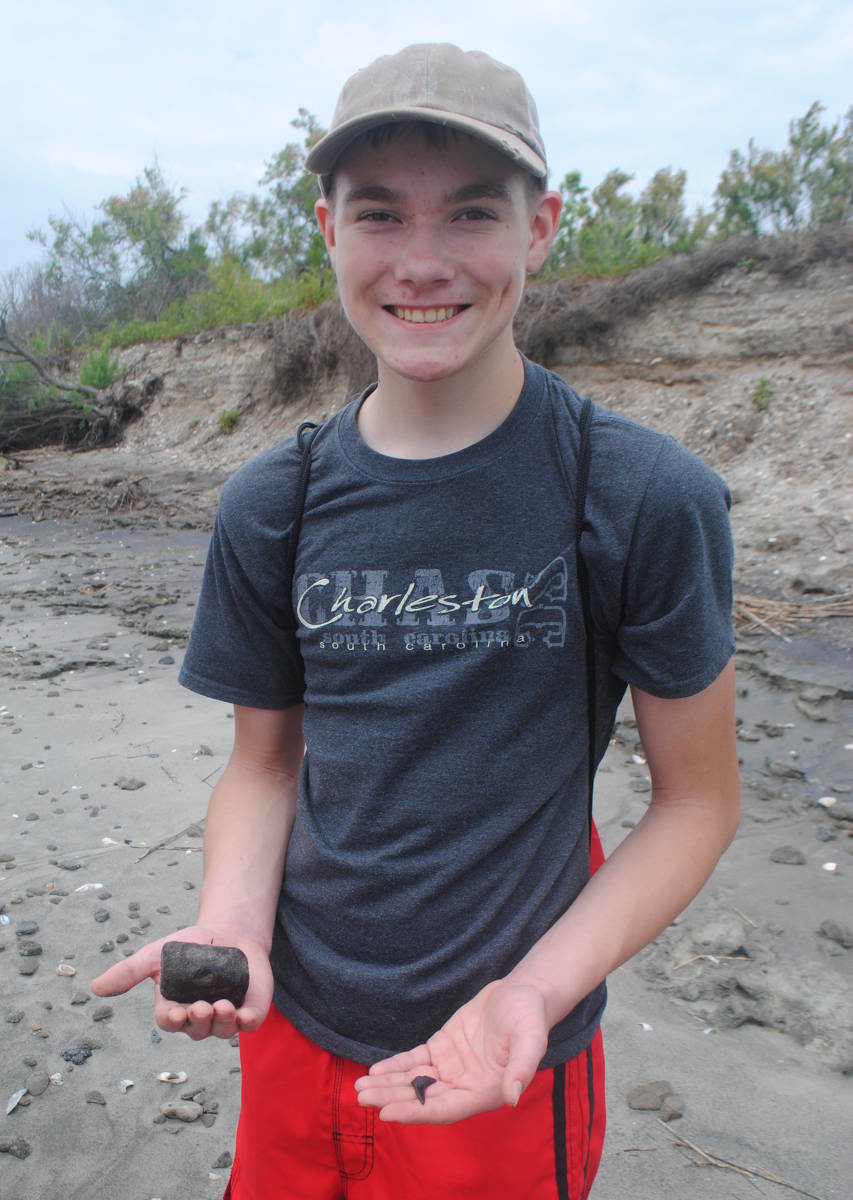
column 647, row 881
column 248, row 825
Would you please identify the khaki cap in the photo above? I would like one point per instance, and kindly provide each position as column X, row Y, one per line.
column 440, row 83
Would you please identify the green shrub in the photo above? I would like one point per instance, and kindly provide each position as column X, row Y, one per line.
column 762, row 394
column 227, row 420
column 100, row 368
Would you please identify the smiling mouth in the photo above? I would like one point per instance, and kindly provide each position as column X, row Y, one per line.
column 426, row 316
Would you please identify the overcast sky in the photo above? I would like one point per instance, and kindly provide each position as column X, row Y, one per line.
column 92, row 93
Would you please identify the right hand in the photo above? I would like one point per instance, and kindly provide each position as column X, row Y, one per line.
column 200, row 1019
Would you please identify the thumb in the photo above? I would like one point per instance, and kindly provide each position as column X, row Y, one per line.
column 526, row 1051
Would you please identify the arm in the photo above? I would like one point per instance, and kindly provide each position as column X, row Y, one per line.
column 247, row 828
column 489, row 1050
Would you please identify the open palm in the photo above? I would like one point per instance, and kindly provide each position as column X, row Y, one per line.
column 481, row 1058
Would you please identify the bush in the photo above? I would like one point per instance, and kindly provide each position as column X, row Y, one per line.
column 227, row 420
column 100, row 368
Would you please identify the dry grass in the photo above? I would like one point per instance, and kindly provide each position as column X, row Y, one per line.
column 758, row 614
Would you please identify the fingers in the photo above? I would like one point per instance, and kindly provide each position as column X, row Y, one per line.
column 406, row 1060
column 123, row 975
column 394, row 1095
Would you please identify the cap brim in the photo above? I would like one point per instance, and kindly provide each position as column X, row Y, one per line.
column 323, row 156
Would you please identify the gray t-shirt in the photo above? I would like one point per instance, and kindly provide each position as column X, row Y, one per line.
column 441, row 826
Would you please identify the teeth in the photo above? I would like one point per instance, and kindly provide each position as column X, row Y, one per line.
column 426, row 316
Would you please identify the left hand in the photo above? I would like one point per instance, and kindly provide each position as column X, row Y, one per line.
column 483, row 1057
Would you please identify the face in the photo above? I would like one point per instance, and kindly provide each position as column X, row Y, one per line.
column 431, row 246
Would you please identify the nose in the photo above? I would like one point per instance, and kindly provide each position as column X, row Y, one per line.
column 422, row 257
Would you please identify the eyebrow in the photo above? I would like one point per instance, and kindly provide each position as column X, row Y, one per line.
column 378, row 193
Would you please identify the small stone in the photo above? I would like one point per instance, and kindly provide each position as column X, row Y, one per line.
column 5, row 857
column 181, row 1110
column 31, row 816
column 648, row 1097
column 15, row 1146
column 101, row 915
column 103, row 1012
column 191, row 972
column 69, row 864
column 31, row 1063
column 121, row 938
column 38, row 1082
column 640, row 785
column 158, row 1120
column 108, row 946
column 28, row 949
column 672, row 1108
column 189, row 886
column 784, row 770
column 208, row 1119
column 133, row 906
column 166, row 661
column 15, row 1018
column 223, row 1161
column 26, row 928
column 80, row 998
column 165, row 910
column 103, row 894
column 155, row 1037
column 836, row 932
column 95, row 1097
column 129, row 785
column 76, row 1054
column 28, row 967
column 789, row 855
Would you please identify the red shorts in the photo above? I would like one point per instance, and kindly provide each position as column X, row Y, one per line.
column 302, row 1134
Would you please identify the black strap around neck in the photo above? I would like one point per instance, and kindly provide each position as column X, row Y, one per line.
column 581, row 481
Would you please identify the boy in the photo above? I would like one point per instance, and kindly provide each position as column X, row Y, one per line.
column 435, row 918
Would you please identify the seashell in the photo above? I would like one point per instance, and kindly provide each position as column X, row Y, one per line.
column 66, row 969
column 172, row 1076
column 14, row 1100
column 827, row 801
column 830, row 866
column 124, row 1084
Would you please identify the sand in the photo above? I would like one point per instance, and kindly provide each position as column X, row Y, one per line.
column 107, row 766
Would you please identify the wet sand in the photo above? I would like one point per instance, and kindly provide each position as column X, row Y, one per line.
column 743, row 1006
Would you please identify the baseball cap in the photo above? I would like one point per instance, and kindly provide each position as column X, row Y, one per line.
column 439, row 83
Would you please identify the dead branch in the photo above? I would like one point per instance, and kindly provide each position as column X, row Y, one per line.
column 710, row 1160
column 9, row 346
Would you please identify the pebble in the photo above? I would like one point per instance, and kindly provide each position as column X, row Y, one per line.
column 95, row 1097
column 38, row 1082
column 108, row 946
column 103, row 1012
column 5, row 857
column 14, row 1018
column 788, row 854
column 166, row 661
column 16, row 1146
column 784, row 770
column 26, row 928
column 224, row 1160
column 76, row 1054
column 836, row 932
column 122, row 937
column 208, row 1119
column 182, row 1110
column 103, row 894
column 129, row 785
column 101, row 915
column 28, row 949
column 672, row 1108
column 80, row 998
column 28, row 967
column 640, row 785
column 69, row 864
column 648, row 1097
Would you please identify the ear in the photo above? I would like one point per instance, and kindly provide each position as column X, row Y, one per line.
column 324, row 212
column 544, row 220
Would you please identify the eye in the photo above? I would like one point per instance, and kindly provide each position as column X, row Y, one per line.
column 376, row 216
column 475, row 214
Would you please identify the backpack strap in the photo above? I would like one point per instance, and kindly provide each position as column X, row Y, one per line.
column 582, row 479
column 304, row 437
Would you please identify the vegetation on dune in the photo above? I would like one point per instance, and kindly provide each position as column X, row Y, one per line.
column 139, row 271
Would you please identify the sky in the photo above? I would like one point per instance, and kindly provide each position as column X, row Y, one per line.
column 93, row 93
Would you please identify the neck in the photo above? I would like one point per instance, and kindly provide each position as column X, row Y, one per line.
column 407, row 418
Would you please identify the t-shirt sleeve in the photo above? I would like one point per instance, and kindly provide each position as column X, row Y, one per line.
column 675, row 632
column 242, row 646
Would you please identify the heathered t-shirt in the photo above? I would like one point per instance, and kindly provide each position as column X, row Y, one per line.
column 441, row 825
